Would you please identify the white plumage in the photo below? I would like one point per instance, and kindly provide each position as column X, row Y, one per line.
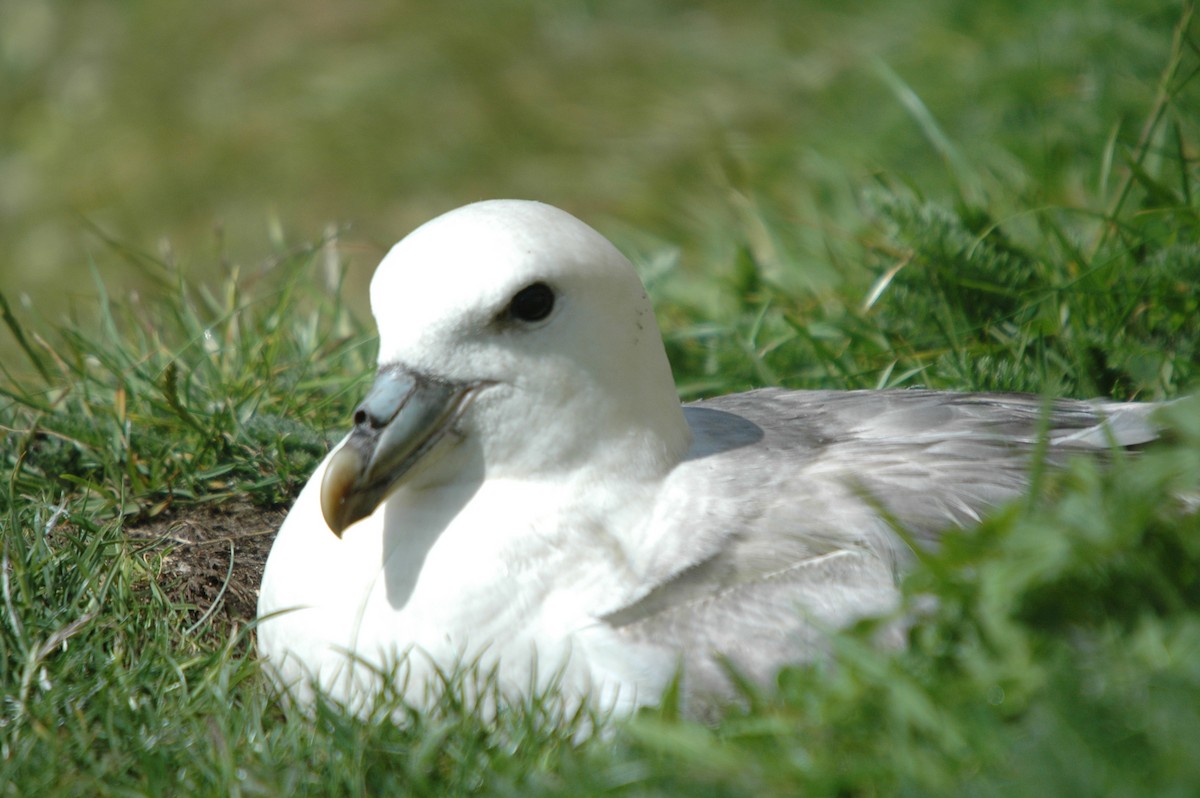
column 523, row 488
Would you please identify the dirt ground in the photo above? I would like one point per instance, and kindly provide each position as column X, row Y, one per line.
column 199, row 545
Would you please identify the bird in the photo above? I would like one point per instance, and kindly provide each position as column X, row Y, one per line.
column 523, row 491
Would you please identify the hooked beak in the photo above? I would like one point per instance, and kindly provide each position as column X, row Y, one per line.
column 402, row 418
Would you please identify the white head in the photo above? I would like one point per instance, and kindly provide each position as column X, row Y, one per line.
column 547, row 331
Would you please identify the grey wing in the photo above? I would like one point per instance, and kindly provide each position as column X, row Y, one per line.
column 931, row 459
column 760, row 625
column 792, row 484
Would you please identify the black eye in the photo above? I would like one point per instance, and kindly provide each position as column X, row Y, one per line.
column 532, row 303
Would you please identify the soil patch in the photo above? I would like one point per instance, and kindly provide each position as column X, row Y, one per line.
column 213, row 557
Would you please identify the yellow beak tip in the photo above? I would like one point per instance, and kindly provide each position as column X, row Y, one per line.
column 341, row 477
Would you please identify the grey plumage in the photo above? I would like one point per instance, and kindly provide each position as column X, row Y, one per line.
column 799, row 478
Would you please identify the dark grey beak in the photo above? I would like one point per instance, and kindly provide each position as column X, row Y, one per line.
column 402, row 418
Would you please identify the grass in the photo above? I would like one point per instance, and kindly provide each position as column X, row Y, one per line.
column 1062, row 656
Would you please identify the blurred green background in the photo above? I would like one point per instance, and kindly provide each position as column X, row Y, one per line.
column 219, row 133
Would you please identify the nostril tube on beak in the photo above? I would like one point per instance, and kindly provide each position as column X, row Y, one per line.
column 389, row 393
